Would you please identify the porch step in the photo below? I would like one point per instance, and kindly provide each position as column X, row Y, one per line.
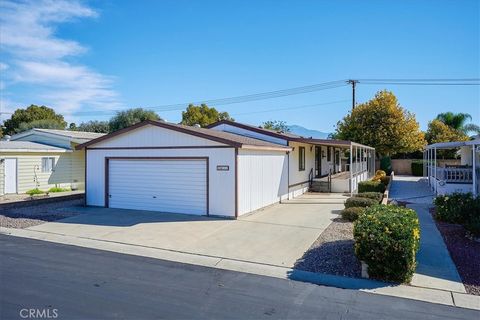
column 319, row 186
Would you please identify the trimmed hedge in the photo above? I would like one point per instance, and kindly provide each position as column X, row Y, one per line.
column 371, row 186
column 380, row 173
column 371, row 195
column 417, row 168
column 360, row 202
column 57, row 189
column 35, row 191
column 462, row 208
column 385, row 180
column 387, row 238
column 352, row 213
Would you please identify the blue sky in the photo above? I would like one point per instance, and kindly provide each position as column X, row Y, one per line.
column 95, row 57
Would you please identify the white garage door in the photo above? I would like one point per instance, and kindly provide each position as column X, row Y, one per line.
column 176, row 185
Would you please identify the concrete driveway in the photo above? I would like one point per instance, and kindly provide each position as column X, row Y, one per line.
column 277, row 235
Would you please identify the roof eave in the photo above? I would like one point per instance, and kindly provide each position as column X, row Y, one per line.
column 268, row 148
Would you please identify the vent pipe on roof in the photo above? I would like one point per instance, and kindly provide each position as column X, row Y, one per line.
column 196, row 125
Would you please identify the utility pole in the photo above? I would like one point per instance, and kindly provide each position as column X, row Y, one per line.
column 353, row 83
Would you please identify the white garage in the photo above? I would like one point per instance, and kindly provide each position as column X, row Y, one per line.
column 174, row 185
column 166, row 167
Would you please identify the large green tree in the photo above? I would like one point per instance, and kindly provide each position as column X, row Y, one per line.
column 130, row 117
column 21, row 118
column 458, row 121
column 203, row 115
column 276, row 125
column 93, row 126
column 383, row 124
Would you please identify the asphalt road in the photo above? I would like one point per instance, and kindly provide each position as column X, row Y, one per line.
column 78, row 283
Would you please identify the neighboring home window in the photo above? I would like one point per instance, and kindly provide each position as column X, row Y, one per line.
column 47, row 164
column 329, row 154
column 301, row 159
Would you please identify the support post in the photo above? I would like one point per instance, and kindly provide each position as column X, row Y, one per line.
column 435, row 169
column 474, row 172
column 351, row 169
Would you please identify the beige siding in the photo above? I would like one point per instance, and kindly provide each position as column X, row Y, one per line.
column 2, row 178
column 68, row 167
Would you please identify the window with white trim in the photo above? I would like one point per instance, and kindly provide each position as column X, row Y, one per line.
column 48, row 164
column 301, row 159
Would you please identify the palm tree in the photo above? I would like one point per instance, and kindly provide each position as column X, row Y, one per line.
column 458, row 121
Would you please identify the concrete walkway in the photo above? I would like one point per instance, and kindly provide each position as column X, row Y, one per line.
column 435, row 268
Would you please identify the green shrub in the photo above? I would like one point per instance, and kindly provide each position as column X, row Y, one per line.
column 35, row 191
column 352, row 213
column 360, row 202
column 417, row 168
column 57, row 189
column 473, row 225
column 387, row 239
column 385, row 180
column 371, row 195
column 380, row 173
column 371, row 186
column 455, row 208
column 386, row 165
column 460, row 208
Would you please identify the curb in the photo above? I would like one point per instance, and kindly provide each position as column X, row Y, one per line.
column 365, row 285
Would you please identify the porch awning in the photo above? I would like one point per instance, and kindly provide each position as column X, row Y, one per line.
column 453, row 144
column 331, row 142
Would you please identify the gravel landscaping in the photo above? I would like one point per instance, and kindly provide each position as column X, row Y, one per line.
column 333, row 252
column 465, row 254
column 28, row 216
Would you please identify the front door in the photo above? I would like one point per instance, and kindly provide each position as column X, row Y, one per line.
column 318, row 162
column 10, row 176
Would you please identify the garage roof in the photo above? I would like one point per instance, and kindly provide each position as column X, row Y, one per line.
column 28, row 146
column 230, row 139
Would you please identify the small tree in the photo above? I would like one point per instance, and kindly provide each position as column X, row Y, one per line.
column 32, row 113
column 279, row 126
column 130, row 117
column 383, row 124
column 203, row 115
column 93, row 126
column 438, row 131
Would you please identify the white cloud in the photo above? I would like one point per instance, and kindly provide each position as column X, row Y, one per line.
column 37, row 57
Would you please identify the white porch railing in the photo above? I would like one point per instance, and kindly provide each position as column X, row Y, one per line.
column 453, row 174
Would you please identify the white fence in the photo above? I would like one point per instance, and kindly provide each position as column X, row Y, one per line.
column 452, row 174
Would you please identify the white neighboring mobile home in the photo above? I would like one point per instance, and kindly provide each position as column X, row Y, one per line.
column 43, row 158
column 155, row 165
column 454, row 178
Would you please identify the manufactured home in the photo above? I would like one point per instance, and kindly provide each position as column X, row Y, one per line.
column 228, row 169
column 43, row 158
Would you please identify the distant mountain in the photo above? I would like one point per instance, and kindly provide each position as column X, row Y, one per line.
column 304, row 132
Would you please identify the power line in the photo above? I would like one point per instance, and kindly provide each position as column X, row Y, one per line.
column 241, row 99
column 302, row 90
column 292, row 108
